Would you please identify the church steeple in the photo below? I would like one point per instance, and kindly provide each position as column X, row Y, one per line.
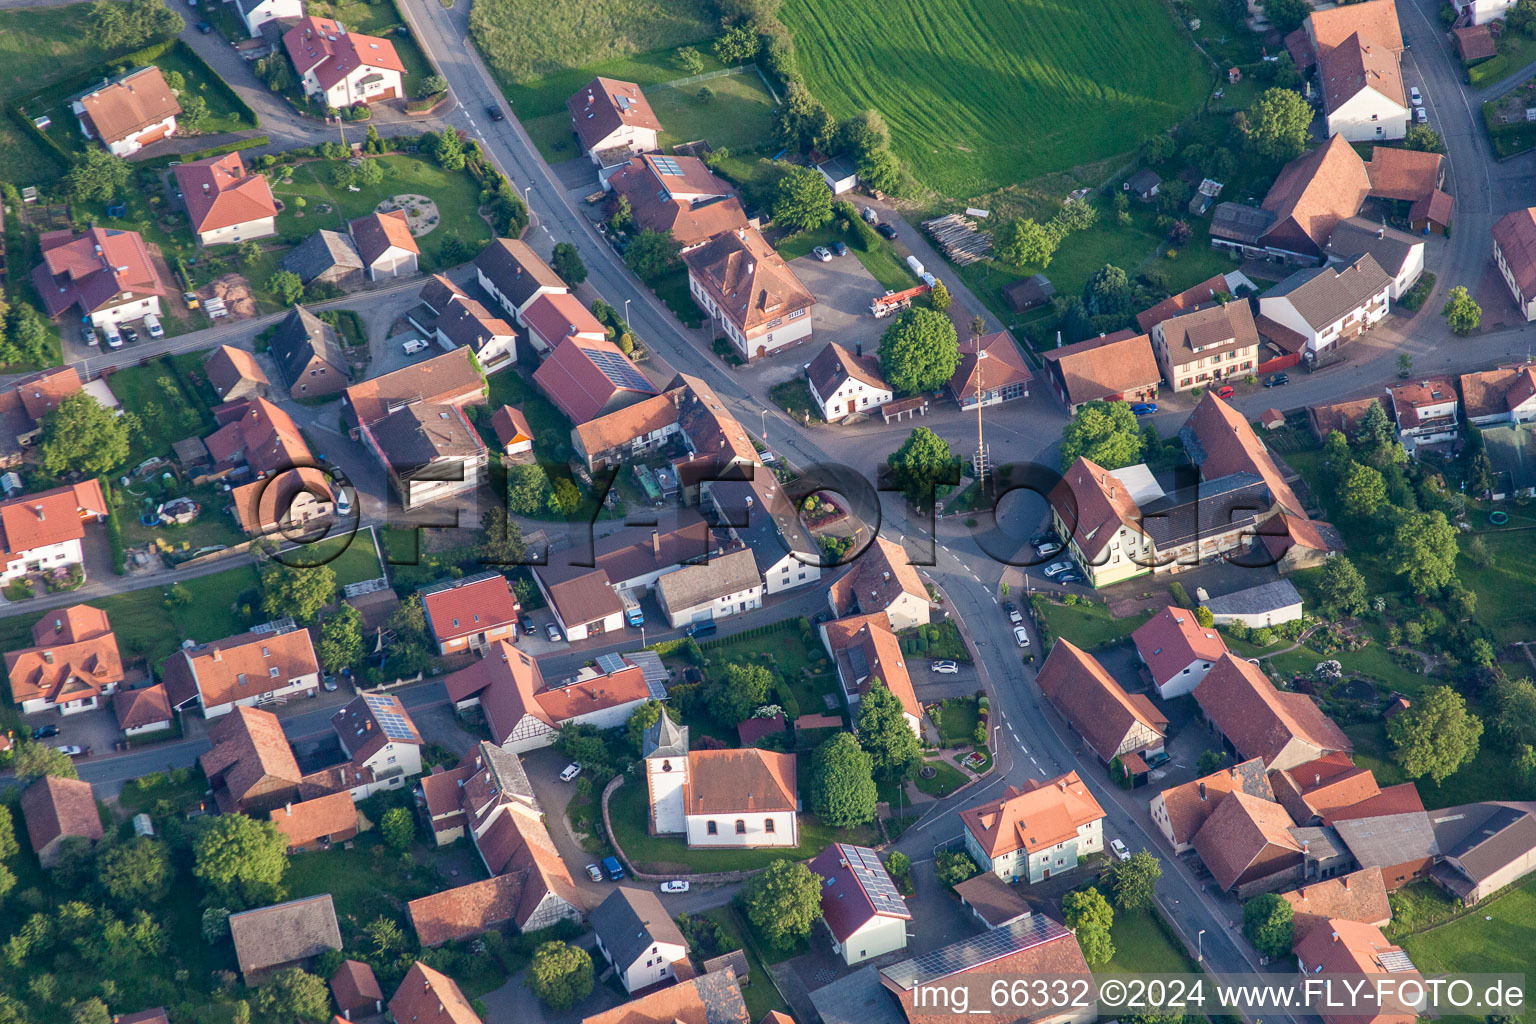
column 665, row 739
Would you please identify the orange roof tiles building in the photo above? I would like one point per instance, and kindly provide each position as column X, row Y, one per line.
column 471, row 613
column 242, row 670
column 713, row 998
column 107, row 274
column 991, row 366
column 719, row 798
column 740, row 281
column 1035, row 831
column 1514, row 251
column 226, row 203
column 1248, row 846
column 45, row 530
column 72, row 664
column 288, row 501
column 1180, row 811
column 344, row 68
column 316, row 823
column 1257, row 720
column 356, row 990
column 258, row 434
column 1505, row 395
column 234, row 374
column 845, row 384
column 427, row 996
column 1340, row 946
column 129, row 113
column 250, row 767
column 147, row 709
column 1177, row 650
column 678, row 196
column 865, row 651
column 512, row 431
column 1106, row 368
column 386, row 245
column 1360, row 896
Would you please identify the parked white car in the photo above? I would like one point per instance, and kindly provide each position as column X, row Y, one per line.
column 1421, row 115
column 594, row 872
column 413, row 346
column 571, row 771
column 1056, row 569
column 1120, row 852
column 822, row 253
column 1020, row 636
column 152, row 325
column 676, row 885
column 1415, row 96
column 945, row 668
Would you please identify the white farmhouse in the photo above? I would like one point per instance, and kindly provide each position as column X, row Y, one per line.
column 738, row 799
column 1332, row 305
column 265, row 667
column 1035, row 831
column 860, row 904
column 638, row 937
column 44, row 531
column 1177, row 650
column 378, row 735
column 846, row 384
column 725, row 585
column 345, row 68
column 1514, row 250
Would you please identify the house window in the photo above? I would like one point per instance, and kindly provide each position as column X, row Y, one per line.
column 768, row 826
column 711, row 829
column 741, row 827
column 272, row 672
column 798, row 313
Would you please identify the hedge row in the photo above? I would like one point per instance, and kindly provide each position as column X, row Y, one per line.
column 114, row 530
column 203, row 154
column 1488, row 72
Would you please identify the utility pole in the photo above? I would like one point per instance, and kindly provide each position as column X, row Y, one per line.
column 981, row 444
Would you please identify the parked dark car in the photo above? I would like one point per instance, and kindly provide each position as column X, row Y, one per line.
column 44, row 731
column 204, row 27
column 839, row 249
column 1275, row 380
column 130, row 336
column 886, row 231
column 494, row 112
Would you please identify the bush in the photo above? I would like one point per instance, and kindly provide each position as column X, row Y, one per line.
column 1180, row 595
column 1488, row 72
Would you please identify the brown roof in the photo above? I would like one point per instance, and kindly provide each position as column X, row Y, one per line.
column 1357, row 64
column 1361, row 896
column 511, row 426
column 284, row 932
column 713, row 998
column 880, row 577
column 728, row 781
column 307, row 821
column 692, row 207
column 1183, row 302
column 871, row 636
column 511, row 265
column 1515, row 235
column 1241, row 831
column 579, row 594
column 264, row 505
column 248, row 747
column 1493, row 392
column 624, row 425
column 1374, row 19
column 1227, row 444
column 1405, row 174
column 1341, row 416
column 1190, row 804
column 463, row 607
column 259, row 433
column 154, row 1016
column 427, row 996
column 1095, row 504
column 1170, row 640
column 517, row 843
column 835, row 364
column 1322, row 785
column 505, row 680
column 466, row 910
column 1003, row 365
column 239, row 667
column 604, row 105
column 137, row 708
column 1095, row 705
column 226, row 366
column 1409, row 399
column 74, row 657
column 41, row 393
column 450, row 378
column 1210, row 332
column 1031, row 818
column 747, row 279
column 1318, row 189
column 219, row 193
column 1103, row 367
column 1258, row 719
column 131, row 104
column 996, row 901
column 1474, row 42
column 355, row 987
column 55, row 807
column 94, row 270
column 377, row 233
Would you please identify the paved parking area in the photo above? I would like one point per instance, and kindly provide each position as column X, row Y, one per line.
column 843, row 289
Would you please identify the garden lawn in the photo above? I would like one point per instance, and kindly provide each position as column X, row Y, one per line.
column 551, row 429
column 455, row 192
column 757, row 990
column 1374, row 661
column 166, row 414
column 1142, row 947
column 366, row 882
column 1503, row 588
column 1490, row 776
column 672, row 289
column 787, row 655
column 980, row 94
column 37, row 45
column 957, row 722
column 628, row 811
column 1505, row 944
column 738, row 116
column 1088, row 625
column 947, row 778
column 352, row 559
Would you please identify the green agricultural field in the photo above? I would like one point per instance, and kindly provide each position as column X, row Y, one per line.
column 984, row 93
column 526, row 39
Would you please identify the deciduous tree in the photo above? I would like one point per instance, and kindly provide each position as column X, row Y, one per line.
column 1277, row 124
column 1423, row 551
column 1025, row 243
column 1362, row 491
column 1462, row 313
column 294, row 994
column 1424, row 139
column 560, row 975
column 566, row 262
column 740, row 691
column 1105, row 433
column 136, row 873
column 1267, row 924
column 1342, row 588
column 1436, row 735
column 919, row 351
column 1089, row 916
column 801, row 199
column 9, row 847
column 299, row 592
column 287, row 286
column 922, row 465
column 97, row 175
column 1133, row 883
column 398, row 828
column 783, row 901
column 529, row 492
column 241, row 860
column 341, row 639
column 35, row 760
column 884, row 732
column 651, row 255
column 80, row 436
column 843, row 783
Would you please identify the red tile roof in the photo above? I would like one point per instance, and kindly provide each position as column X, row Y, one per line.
column 308, row 821
column 713, row 998
column 594, row 693
column 94, row 270
column 1105, row 367
column 1189, row 805
column 450, row 378
column 1317, row 190
column 427, row 996
column 880, row 577
column 1002, row 366
column 1183, row 302
column 261, row 434
column 728, row 781
column 604, row 105
column 54, row 808
column 1031, row 818
column 1374, row 19
column 1095, row 504
column 1495, row 392
column 1340, row 946
column 1243, row 831
column 849, row 875
column 705, row 208
column 1400, row 799
column 556, row 316
column 1095, row 705
column 32, row 521
column 1258, row 719
column 469, row 606
column 575, row 379
column 511, row 426
column 249, row 747
column 1360, row 896
column 262, row 506
column 363, row 730
column 1357, row 64
column 1515, row 235
column 1227, row 444
column 322, row 45
column 138, row 708
column 74, row 657
column 466, row 910
column 1405, row 174
column 747, row 279
column 377, row 233
column 872, row 635
column 1172, row 639
column 41, row 393
column 835, row 364
column 129, row 105
column 239, row 667
column 356, row 988
column 219, row 193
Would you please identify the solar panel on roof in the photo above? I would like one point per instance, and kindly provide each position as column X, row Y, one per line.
column 968, row 954
column 667, row 165
column 395, row 725
column 873, row 879
column 618, row 369
column 610, row 663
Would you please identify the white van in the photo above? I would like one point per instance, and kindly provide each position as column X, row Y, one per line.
column 152, row 325
column 114, row 339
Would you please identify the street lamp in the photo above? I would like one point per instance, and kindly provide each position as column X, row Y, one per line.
column 1200, row 946
column 626, row 314
column 765, row 424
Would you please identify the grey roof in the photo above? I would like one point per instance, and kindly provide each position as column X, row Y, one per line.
column 837, row 168
column 1389, row 839
column 1325, row 294
column 467, row 323
column 285, row 932
column 651, row 667
column 692, row 585
column 417, row 435
column 516, row 270
column 506, row 770
column 665, row 739
column 1322, row 842
column 1388, row 246
column 749, row 508
column 301, row 337
column 858, row 999
column 720, row 993
column 629, row 922
column 1239, row 223
column 1512, row 450
column 320, row 252
column 1266, row 597
column 1485, row 838
column 1144, row 179
column 1215, row 506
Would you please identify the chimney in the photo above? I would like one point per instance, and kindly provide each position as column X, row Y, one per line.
column 1303, row 892
column 655, row 544
column 1306, row 847
column 1335, row 936
column 288, row 809
column 1233, row 772
column 858, row 349
column 368, row 725
column 218, row 654
column 1345, row 880
column 1061, row 784
column 1202, row 792
column 1317, row 779
column 39, row 510
column 48, row 657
